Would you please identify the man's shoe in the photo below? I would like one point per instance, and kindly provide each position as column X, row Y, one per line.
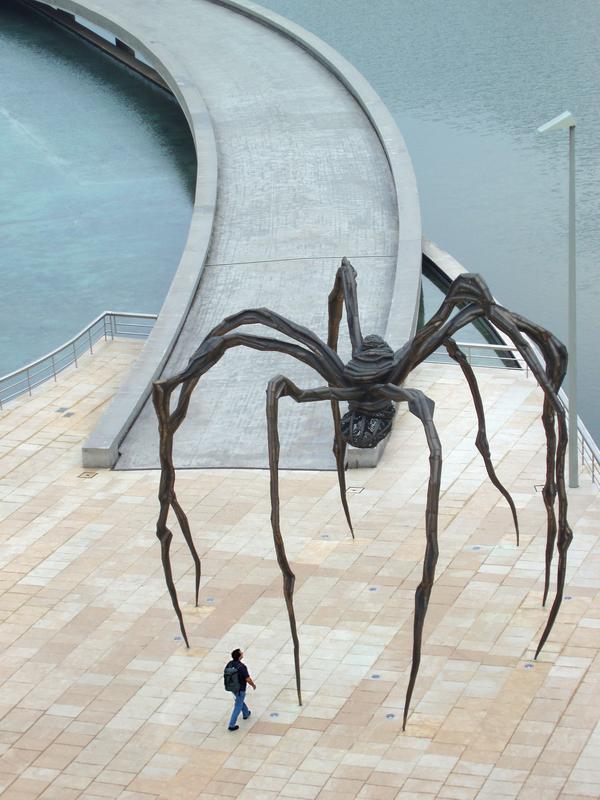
column 235, row 728
column 249, row 714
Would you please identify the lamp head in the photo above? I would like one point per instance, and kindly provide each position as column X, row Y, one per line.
column 564, row 120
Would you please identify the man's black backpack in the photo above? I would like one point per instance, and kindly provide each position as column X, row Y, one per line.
column 231, row 679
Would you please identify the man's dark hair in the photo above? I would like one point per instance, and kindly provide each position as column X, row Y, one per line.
column 235, row 654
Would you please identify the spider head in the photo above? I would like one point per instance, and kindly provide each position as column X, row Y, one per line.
column 366, row 426
column 370, row 361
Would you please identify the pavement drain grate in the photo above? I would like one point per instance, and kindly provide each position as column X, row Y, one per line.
column 372, row 588
column 390, row 716
column 87, row 474
column 375, row 677
column 273, row 714
column 324, row 536
column 529, row 665
column 61, row 410
column 210, row 599
column 354, row 489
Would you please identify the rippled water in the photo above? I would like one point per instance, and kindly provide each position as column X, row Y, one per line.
column 98, row 173
column 469, row 82
column 87, row 149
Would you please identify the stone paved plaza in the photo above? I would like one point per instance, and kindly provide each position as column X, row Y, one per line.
column 100, row 699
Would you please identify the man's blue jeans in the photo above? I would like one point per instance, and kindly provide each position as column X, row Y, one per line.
column 238, row 706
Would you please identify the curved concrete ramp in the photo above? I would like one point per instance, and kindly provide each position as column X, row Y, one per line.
column 302, row 181
column 226, row 423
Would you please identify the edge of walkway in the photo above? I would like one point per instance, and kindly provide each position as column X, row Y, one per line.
column 102, row 448
column 402, row 319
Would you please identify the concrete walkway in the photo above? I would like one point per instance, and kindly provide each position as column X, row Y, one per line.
column 303, row 179
column 99, row 698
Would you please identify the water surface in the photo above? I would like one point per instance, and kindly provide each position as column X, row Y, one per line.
column 469, row 82
column 98, row 172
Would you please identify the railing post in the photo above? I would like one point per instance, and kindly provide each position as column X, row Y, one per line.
column 28, row 382
column 104, row 325
column 75, row 355
column 90, row 340
column 53, row 369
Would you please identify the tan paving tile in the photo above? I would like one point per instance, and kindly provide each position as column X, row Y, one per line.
column 99, row 699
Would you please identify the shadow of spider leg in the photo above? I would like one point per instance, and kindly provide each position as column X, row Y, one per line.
column 277, row 388
column 422, row 407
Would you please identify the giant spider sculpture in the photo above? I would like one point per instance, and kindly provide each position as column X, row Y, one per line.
column 371, row 382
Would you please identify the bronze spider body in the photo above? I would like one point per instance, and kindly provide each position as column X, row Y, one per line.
column 371, row 383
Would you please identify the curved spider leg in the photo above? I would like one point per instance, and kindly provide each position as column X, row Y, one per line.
column 512, row 325
column 473, row 289
column 161, row 397
column 210, row 351
column 555, row 354
column 422, row 407
column 167, row 496
column 326, row 353
column 481, row 441
column 277, row 388
column 328, row 358
column 339, row 451
column 343, row 292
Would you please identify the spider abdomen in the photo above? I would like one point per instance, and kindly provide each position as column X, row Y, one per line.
column 366, row 427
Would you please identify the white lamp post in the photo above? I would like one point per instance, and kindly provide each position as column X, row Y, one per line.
column 567, row 120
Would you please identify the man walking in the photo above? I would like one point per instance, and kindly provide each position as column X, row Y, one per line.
column 240, row 695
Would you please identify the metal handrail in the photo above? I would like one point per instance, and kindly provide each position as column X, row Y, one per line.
column 113, row 324
column 495, row 355
column 508, row 355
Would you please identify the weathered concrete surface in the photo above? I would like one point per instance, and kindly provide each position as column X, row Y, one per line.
column 303, row 180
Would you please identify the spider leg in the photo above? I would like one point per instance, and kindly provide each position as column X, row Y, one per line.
column 549, row 379
column 556, row 364
column 343, row 293
column 328, row 359
column 273, row 394
column 422, row 407
column 471, row 289
column 555, row 355
column 549, row 491
column 206, row 356
column 339, row 451
column 167, row 498
column 277, row 388
column 481, row 442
